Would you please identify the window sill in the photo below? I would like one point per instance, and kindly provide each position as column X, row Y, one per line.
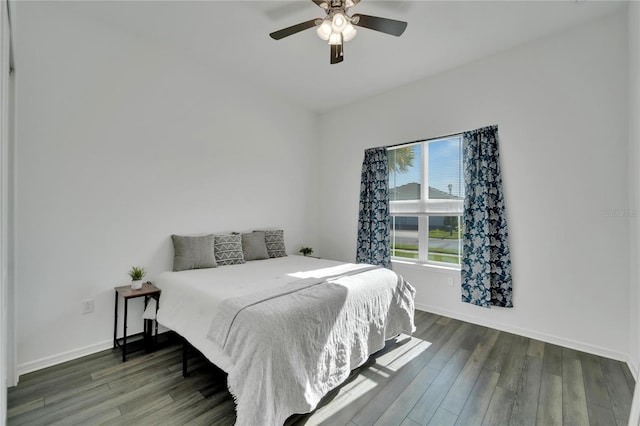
column 423, row 266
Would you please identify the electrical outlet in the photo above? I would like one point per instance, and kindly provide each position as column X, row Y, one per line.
column 450, row 281
column 87, row 306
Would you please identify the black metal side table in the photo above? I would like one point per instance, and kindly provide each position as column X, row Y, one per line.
column 148, row 291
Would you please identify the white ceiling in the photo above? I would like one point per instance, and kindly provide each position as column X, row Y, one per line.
column 232, row 38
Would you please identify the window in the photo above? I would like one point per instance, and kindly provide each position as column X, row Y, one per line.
column 426, row 195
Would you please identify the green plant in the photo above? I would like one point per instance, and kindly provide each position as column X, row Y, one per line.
column 137, row 273
column 306, row 251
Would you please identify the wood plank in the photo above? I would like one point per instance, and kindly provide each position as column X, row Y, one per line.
column 71, row 391
column 443, row 417
column 408, row 422
column 620, row 396
column 402, row 377
column 474, row 338
column 438, row 335
column 526, row 396
column 137, row 410
column 430, row 401
column 536, row 348
column 50, row 383
column 500, row 408
column 552, row 359
column 161, row 415
column 211, row 410
column 63, row 406
column 16, row 410
column 443, row 320
column 498, row 355
column 444, row 353
column 600, row 416
column 420, row 316
column 550, row 402
column 144, row 404
column 106, row 417
column 68, row 368
column 136, row 364
column 594, row 383
column 512, row 371
column 574, row 400
column 397, row 411
column 457, row 395
column 204, row 419
column 116, row 397
column 426, row 323
column 568, row 353
column 478, row 401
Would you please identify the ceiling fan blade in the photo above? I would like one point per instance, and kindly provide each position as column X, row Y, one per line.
column 286, row 32
column 337, row 53
column 322, row 3
column 384, row 25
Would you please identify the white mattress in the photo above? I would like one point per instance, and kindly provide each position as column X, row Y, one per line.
column 189, row 298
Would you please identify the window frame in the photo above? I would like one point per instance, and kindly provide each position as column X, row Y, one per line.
column 424, row 208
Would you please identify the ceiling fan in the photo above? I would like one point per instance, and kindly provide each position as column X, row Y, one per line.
column 338, row 27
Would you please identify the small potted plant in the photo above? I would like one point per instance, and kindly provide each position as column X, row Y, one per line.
column 306, row 251
column 137, row 274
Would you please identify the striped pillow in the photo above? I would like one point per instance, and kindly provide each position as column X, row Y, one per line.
column 228, row 249
column 275, row 243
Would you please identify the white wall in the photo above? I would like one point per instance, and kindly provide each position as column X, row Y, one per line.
column 561, row 107
column 634, row 202
column 122, row 143
column 634, row 182
column 5, row 118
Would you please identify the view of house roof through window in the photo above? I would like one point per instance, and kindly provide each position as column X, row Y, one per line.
column 426, row 193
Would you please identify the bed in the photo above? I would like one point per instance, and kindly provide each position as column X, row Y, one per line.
column 286, row 330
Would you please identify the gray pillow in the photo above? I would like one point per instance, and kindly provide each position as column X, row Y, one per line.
column 275, row 243
column 193, row 252
column 228, row 249
column 254, row 246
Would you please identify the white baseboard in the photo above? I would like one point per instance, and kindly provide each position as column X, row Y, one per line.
column 556, row 340
column 49, row 361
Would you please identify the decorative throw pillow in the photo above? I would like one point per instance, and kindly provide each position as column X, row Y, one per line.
column 228, row 249
column 254, row 246
column 193, row 252
column 275, row 243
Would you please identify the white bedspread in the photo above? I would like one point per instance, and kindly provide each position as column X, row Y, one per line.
column 283, row 364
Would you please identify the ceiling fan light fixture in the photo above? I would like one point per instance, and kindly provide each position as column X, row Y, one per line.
column 339, row 22
column 335, row 39
column 349, row 32
column 324, row 30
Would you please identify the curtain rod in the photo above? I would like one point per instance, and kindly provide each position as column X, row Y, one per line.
column 423, row 140
column 438, row 137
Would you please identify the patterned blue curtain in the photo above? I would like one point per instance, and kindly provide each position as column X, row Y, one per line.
column 486, row 261
column 374, row 222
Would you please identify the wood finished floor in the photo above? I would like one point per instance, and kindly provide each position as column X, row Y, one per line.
column 450, row 372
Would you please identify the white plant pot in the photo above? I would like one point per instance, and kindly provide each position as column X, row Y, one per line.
column 136, row 284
